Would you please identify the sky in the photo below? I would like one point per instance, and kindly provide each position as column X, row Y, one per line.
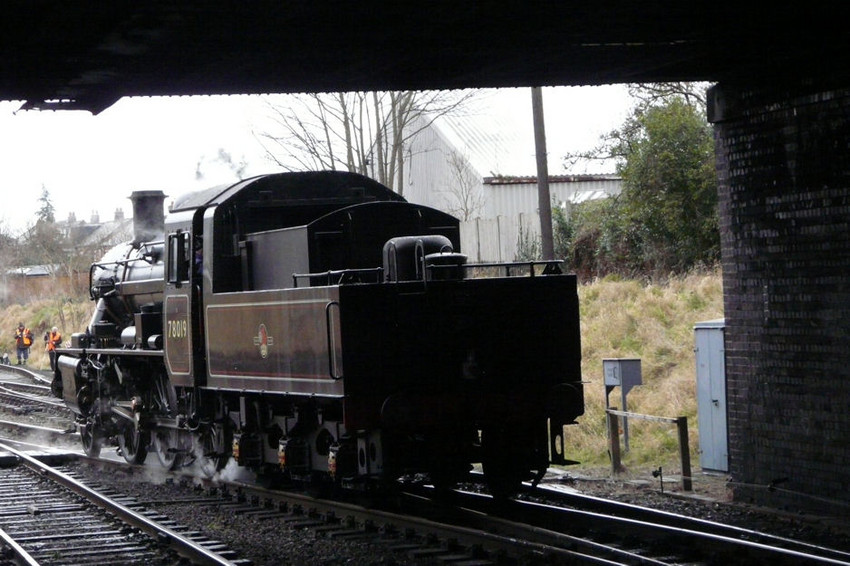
column 91, row 164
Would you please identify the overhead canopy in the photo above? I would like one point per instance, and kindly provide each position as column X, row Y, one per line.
column 87, row 55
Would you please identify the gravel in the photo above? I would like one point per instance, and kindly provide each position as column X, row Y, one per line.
column 275, row 542
column 265, row 542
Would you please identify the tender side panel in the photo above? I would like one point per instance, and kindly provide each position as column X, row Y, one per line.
column 478, row 351
column 281, row 341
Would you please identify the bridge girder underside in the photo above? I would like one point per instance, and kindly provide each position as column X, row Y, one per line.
column 88, row 55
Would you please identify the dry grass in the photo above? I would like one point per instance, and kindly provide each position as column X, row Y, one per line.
column 629, row 319
column 69, row 315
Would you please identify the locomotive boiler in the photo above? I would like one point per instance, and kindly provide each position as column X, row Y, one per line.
column 319, row 327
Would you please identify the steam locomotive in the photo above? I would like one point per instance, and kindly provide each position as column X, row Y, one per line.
column 318, row 327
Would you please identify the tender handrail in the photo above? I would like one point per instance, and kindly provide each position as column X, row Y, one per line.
column 340, row 275
column 550, row 266
column 331, row 349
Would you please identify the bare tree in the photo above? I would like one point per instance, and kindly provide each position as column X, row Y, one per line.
column 614, row 146
column 465, row 198
column 8, row 255
column 42, row 244
column 363, row 132
column 694, row 94
column 53, row 247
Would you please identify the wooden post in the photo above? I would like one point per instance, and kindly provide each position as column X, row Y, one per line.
column 681, row 425
column 684, row 453
column 614, row 443
column 544, row 202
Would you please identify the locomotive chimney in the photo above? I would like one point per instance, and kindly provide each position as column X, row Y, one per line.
column 148, row 216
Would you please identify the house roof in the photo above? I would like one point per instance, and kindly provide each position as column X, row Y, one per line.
column 108, row 234
column 42, row 270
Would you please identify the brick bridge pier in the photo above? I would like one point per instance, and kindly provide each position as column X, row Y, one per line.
column 783, row 162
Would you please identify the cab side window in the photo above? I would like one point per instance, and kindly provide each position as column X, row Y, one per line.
column 179, row 257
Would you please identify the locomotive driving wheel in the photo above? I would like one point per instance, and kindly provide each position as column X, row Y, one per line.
column 165, row 440
column 134, row 444
column 92, row 439
column 212, row 445
column 447, row 470
column 504, row 462
column 90, row 431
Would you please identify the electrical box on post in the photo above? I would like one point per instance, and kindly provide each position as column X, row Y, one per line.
column 622, row 372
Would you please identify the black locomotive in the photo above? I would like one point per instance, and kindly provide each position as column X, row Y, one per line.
column 317, row 325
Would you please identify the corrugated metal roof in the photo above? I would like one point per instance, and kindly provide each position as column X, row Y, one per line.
column 511, row 199
column 508, row 180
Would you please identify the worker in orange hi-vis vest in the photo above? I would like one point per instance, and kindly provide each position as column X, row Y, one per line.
column 23, row 341
column 54, row 340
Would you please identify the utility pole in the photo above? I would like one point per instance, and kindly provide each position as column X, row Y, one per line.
column 544, row 202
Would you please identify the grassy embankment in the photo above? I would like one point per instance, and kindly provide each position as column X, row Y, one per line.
column 620, row 319
column 628, row 319
column 40, row 315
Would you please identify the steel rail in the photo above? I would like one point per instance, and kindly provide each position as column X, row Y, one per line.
column 464, row 535
column 22, row 557
column 26, row 372
column 37, row 428
column 536, row 514
column 164, row 535
column 41, row 399
column 591, row 552
column 36, row 386
column 694, row 523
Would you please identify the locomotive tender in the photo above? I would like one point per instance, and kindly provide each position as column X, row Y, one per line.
column 319, row 326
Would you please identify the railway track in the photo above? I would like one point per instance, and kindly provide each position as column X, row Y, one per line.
column 408, row 538
column 24, row 374
column 795, row 551
column 27, row 392
column 48, row 517
column 475, row 529
column 28, row 410
column 601, row 531
column 458, row 527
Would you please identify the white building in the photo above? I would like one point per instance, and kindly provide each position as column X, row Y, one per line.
column 507, row 196
column 481, row 167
